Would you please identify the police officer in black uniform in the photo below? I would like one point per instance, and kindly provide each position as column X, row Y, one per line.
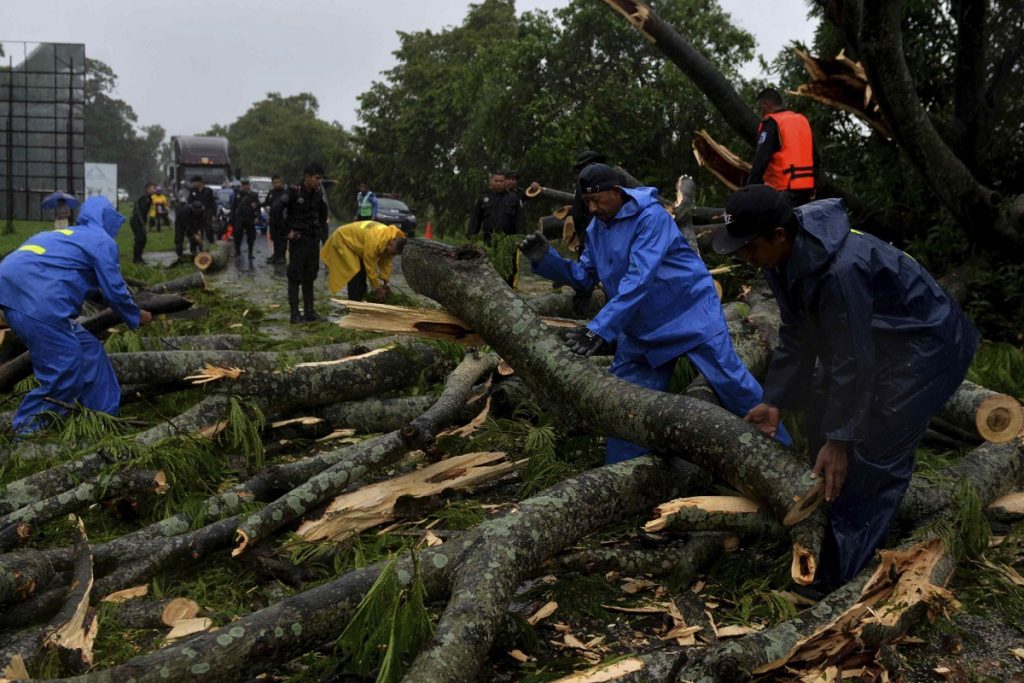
column 305, row 210
column 140, row 215
column 494, row 211
column 244, row 211
column 204, row 195
column 275, row 211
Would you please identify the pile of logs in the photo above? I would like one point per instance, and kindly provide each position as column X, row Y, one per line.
column 326, row 394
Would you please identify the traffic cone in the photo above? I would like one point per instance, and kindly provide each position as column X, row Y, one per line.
column 430, row 231
column 230, row 231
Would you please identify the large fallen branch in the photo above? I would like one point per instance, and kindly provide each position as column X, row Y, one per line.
column 983, row 413
column 463, row 281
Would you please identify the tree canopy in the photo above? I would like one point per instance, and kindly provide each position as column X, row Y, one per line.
column 111, row 132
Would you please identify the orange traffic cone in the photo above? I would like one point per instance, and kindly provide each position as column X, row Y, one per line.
column 430, row 232
column 229, row 232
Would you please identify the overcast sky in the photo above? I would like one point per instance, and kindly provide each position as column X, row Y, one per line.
column 187, row 64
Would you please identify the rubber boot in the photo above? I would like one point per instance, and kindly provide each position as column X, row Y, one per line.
column 307, row 300
column 293, row 302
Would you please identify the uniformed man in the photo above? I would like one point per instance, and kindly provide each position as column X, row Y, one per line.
column 140, row 214
column 662, row 302
column 785, row 153
column 244, row 212
column 493, row 211
column 275, row 212
column 305, row 210
column 43, row 284
column 366, row 203
column 204, row 195
column 870, row 348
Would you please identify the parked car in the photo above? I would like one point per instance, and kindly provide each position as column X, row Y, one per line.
column 122, row 195
column 395, row 212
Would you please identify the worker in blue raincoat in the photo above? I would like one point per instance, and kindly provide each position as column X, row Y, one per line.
column 43, row 284
column 661, row 299
column 870, row 349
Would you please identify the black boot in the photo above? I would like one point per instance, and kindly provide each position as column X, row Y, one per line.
column 293, row 301
column 307, row 300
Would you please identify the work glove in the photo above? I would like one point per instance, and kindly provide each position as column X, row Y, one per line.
column 582, row 341
column 534, row 247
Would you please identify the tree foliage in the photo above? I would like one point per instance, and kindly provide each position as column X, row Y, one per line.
column 532, row 92
column 282, row 134
column 111, row 132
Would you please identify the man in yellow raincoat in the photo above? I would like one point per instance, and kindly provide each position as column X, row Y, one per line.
column 360, row 251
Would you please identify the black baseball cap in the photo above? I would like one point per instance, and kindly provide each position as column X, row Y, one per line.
column 597, row 178
column 751, row 211
column 589, row 157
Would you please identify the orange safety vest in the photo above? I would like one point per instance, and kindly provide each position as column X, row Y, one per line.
column 792, row 167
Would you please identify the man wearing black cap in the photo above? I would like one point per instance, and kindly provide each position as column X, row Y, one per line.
column 204, row 195
column 305, row 208
column 661, row 299
column 870, row 348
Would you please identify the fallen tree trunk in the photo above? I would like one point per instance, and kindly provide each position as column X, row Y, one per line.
column 206, row 342
column 20, row 367
column 682, row 559
column 983, row 413
column 462, row 280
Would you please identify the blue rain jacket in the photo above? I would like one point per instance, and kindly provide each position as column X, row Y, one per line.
column 49, row 276
column 889, row 341
column 661, row 299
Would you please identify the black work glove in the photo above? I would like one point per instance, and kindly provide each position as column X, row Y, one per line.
column 582, row 341
column 534, row 247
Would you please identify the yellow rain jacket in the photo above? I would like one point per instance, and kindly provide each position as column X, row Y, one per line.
column 157, row 199
column 362, row 241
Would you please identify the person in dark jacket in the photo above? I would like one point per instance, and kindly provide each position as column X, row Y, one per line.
column 494, row 211
column 244, row 212
column 140, row 216
column 275, row 214
column 662, row 302
column 870, row 348
column 43, row 284
column 204, row 195
column 305, row 207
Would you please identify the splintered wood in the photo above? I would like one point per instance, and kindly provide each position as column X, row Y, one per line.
column 420, row 322
column 841, row 83
column 737, row 506
column 723, row 163
column 373, row 505
column 212, row 373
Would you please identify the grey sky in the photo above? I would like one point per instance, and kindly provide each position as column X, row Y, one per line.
column 189, row 64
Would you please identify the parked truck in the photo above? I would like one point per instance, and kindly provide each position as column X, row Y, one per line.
column 198, row 155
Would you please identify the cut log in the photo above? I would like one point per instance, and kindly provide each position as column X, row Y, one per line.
column 723, row 163
column 419, row 322
column 984, row 413
column 681, row 558
column 462, row 280
column 213, row 258
column 556, row 195
column 373, row 505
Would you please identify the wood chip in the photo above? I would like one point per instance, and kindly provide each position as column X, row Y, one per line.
column 127, row 594
column 187, row 627
column 15, row 669
column 519, row 656
column 735, row 631
column 606, row 673
column 636, row 585
column 1018, row 652
column 432, row 539
column 573, row 642
column 637, row 610
column 543, row 613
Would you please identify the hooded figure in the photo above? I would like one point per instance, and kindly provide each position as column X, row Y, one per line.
column 357, row 252
column 662, row 302
column 870, row 348
column 43, row 284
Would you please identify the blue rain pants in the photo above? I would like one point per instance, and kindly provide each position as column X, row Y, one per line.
column 71, row 367
column 716, row 359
